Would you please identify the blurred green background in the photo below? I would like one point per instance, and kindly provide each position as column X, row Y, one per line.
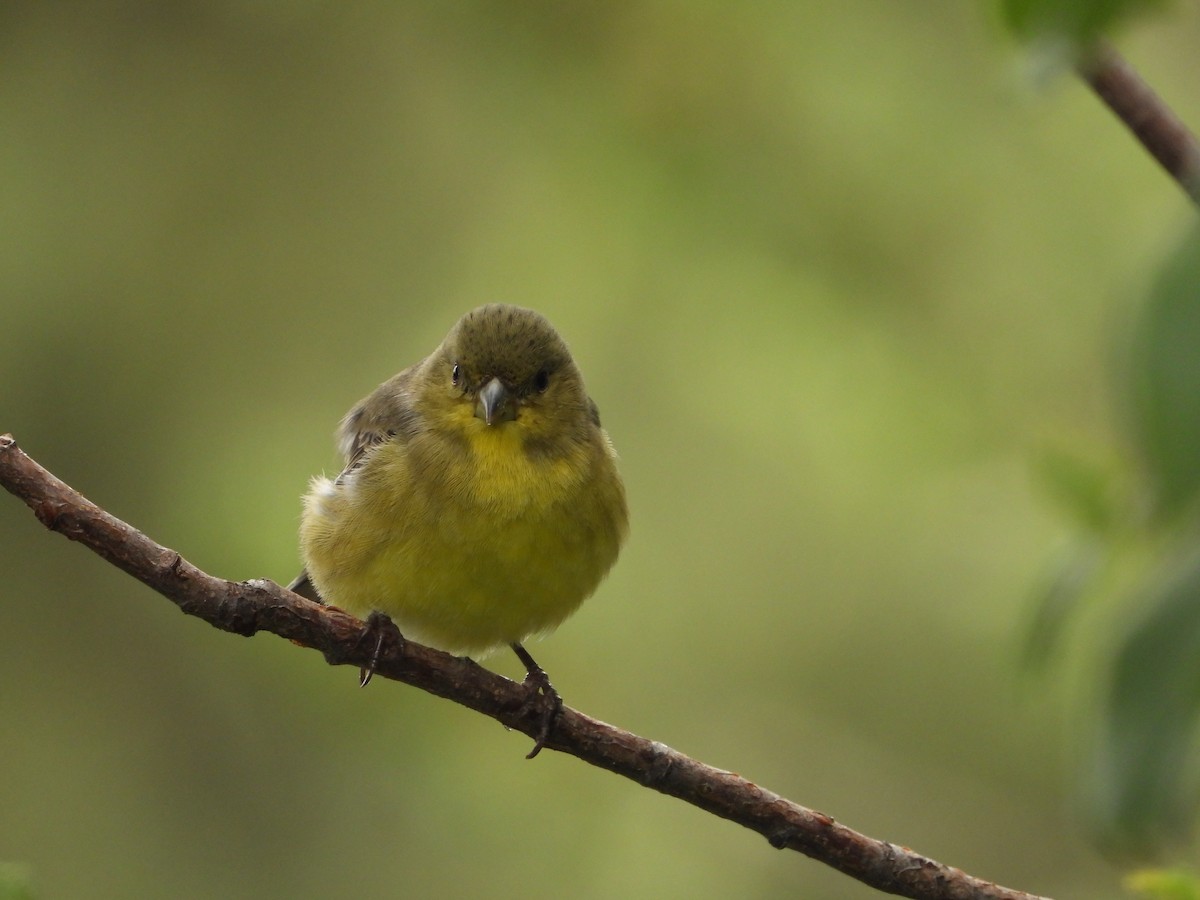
column 836, row 274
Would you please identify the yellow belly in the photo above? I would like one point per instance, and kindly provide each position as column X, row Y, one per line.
column 470, row 548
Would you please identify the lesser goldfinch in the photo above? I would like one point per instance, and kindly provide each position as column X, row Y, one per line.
column 480, row 503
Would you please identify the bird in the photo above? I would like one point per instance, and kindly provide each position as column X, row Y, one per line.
column 480, row 503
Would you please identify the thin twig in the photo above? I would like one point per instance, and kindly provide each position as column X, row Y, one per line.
column 1144, row 113
column 252, row 606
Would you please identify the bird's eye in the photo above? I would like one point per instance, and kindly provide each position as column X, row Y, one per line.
column 455, row 374
column 541, row 381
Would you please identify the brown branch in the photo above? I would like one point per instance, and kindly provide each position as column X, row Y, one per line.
column 252, row 606
column 1144, row 113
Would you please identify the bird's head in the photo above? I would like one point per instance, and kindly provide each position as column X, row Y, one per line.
column 503, row 367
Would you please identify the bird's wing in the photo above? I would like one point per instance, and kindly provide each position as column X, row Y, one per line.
column 388, row 414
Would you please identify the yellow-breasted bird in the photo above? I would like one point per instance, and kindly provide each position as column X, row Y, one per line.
column 480, row 503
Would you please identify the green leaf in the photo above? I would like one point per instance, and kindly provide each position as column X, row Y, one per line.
column 1164, row 884
column 1070, row 579
column 1086, row 490
column 1077, row 21
column 15, row 882
column 1164, row 382
column 1143, row 785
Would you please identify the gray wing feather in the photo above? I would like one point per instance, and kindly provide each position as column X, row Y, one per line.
column 386, row 415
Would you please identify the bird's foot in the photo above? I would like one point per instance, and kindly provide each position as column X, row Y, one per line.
column 377, row 627
column 541, row 696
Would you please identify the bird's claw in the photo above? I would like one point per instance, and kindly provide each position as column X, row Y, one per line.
column 543, row 694
column 378, row 625
column 539, row 693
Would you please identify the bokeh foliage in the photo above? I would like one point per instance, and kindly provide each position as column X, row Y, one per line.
column 1077, row 21
column 1139, row 518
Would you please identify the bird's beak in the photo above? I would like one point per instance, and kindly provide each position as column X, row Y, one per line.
column 494, row 404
